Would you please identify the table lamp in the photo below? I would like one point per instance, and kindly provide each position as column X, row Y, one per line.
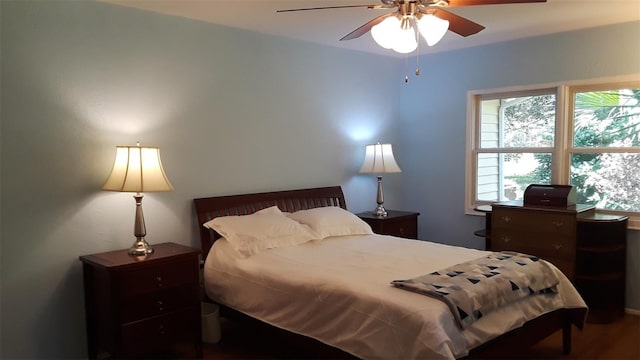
column 138, row 169
column 378, row 159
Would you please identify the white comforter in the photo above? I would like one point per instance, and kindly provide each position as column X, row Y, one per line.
column 338, row 291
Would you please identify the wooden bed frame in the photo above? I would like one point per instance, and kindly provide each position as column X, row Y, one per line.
column 510, row 344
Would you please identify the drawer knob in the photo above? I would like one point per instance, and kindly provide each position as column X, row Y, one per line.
column 557, row 246
column 162, row 330
column 401, row 230
column 558, row 223
column 160, row 305
column 506, row 239
column 159, row 280
column 506, row 218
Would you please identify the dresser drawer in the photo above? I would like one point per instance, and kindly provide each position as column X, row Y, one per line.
column 538, row 244
column 557, row 250
column 153, row 278
column 157, row 303
column 155, row 333
column 563, row 264
column 534, row 222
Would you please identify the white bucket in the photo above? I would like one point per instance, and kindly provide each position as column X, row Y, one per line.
column 210, row 322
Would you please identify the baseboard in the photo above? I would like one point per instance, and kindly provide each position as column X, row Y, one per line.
column 632, row 312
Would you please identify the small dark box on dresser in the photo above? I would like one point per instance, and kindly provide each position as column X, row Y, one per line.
column 549, row 195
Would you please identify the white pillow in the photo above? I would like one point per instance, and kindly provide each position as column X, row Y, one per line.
column 265, row 229
column 270, row 210
column 331, row 221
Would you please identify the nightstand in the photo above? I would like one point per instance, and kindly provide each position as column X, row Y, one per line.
column 397, row 223
column 143, row 305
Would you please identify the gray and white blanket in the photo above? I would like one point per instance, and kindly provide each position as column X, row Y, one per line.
column 474, row 288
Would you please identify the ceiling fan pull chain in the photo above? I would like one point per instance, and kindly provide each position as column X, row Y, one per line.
column 417, row 64
column 418, row 53
column 406, row 67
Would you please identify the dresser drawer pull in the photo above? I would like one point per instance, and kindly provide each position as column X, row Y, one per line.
column 506, row 218
column 160, row 305
column 558, row 223
column 506, row 239
column 159, row 279
column 557, row 246
column 162, row 330
column 401, row 230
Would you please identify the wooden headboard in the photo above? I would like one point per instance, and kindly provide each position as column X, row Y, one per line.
column 245, row 204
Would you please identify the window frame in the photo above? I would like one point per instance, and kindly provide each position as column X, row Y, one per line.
column 563, row 147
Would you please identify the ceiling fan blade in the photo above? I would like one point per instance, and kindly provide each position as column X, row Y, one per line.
column 456, row 3
column 331, row 7
column 458, row 24
column 365, row 28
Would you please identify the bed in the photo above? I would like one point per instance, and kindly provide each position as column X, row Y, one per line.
column 336, row 287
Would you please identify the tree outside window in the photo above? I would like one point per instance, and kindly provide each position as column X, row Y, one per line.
column 605, row 163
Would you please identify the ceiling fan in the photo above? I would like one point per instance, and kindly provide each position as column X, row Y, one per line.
column 429, row 16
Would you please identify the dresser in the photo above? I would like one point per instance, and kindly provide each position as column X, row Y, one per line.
column 142, row 306
column 397, row 223
column 588, row 247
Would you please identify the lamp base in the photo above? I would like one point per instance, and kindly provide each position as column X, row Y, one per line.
column 140, row 247
column 380, row 211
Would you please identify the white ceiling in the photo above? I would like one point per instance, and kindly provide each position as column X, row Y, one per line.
column 502, row 22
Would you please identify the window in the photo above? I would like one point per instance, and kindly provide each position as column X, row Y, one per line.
column 585, row 135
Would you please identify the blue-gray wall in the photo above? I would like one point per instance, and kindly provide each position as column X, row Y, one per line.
column 232, row 112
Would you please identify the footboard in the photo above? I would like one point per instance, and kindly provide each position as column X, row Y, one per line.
column 517, row 341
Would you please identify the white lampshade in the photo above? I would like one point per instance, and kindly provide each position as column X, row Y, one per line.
column 137, row 169
column 432, row 28
column 378, row 159
column 405, row 41
column 386, row 32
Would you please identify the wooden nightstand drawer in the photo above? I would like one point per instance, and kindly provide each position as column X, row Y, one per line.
column 150, row 335
column 396, row 223
column 156, row 277
column 406, row 229
column 157, row 303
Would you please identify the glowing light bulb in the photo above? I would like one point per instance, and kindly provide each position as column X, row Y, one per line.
column 432, row 28
column 386, row 32
column 405, row 41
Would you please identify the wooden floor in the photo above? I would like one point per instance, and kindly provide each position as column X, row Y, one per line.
column 618, row 340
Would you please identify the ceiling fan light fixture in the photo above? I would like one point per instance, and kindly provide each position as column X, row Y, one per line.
column 416, row 18
column 386, row 32
column 432, row 28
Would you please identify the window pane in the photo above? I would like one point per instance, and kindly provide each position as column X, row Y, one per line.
column 609, row 118
column 527, row 121
column 505, row 176
column 608, row 180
